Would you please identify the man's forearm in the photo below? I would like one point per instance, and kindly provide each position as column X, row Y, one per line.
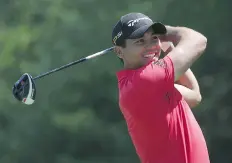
column 189, row 45
column 187, row 84
column 174, row 35
column 189, row 80
column 192, row 98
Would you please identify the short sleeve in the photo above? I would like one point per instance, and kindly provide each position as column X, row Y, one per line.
column 158, row 75
column 169, row 70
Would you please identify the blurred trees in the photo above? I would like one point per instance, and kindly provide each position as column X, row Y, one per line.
column 76, row 117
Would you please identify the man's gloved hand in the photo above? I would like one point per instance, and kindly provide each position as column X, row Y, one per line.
column 24, row 89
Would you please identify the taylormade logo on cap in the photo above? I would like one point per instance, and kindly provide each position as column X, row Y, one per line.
column 131, row 23
column 128, row 25
column 117, row 36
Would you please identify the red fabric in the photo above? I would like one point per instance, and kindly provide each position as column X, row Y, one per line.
column 162, row 127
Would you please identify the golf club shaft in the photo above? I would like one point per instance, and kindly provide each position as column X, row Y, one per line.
column 74, row 63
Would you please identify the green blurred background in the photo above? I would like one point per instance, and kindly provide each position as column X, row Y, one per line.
column 76, row 118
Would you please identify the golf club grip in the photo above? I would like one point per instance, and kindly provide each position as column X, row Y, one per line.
column 74, row 62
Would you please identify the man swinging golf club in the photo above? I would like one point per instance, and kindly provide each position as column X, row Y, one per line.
column 155, row 95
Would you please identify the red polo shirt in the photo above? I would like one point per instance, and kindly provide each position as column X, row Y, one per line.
column 162, row 127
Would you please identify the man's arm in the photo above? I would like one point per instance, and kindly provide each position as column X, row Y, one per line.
column 189, row 80
column 188, row 86
column 190, row 45
column 192, row 98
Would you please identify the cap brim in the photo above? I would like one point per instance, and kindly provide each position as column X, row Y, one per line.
column 157, row 27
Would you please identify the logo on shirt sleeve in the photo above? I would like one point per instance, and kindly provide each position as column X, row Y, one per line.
column 161, row 63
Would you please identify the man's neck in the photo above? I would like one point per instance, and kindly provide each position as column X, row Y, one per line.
column 132, row 66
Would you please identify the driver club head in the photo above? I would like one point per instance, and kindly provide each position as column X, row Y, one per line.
column 24, row 89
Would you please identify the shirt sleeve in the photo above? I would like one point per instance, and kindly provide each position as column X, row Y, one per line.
column 158, row 75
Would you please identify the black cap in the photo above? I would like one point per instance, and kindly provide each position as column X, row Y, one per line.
column 134, row 25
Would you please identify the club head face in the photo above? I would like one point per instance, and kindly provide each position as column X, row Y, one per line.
column 24, row 89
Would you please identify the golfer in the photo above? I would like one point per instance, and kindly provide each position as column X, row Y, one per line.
column 156, row 94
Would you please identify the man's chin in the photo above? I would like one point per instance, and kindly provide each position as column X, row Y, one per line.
column 152, row 59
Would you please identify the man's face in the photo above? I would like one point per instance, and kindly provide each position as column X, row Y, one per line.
column 139, row 52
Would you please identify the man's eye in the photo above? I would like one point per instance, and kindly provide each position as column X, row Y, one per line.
column 154, row 37
column 140, row 41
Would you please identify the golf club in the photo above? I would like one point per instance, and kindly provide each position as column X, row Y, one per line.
column 24, row 89
column 74, row 63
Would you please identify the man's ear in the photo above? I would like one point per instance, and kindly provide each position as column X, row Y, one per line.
column 118, row 51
